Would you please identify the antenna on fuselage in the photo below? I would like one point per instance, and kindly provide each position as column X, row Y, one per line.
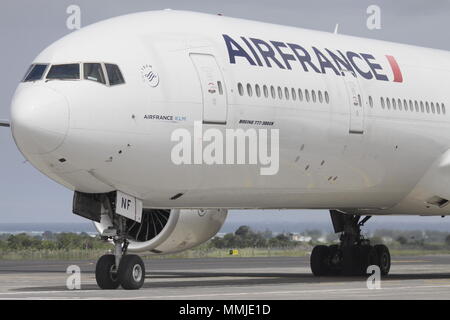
column 336, row 28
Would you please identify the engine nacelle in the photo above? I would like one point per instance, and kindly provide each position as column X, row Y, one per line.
column 168, row 231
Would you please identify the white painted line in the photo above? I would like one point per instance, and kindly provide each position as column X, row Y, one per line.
column 50, row 292
column 298, row 292
column 231, row 293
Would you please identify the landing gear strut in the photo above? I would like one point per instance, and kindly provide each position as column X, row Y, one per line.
column 353, row 254
column 120, row 268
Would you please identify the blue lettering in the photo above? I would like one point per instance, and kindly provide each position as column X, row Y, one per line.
column 324, row 62
column 235, row 50
column 258, row 60
column 267, row 53
column 286, row 57
column 304, row 59
column 374, row 67
column 351, row 56
column 341, row 61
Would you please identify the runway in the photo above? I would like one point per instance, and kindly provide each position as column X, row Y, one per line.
column 418, row 277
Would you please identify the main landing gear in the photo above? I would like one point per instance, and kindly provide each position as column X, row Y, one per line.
column 353, row 254
column 120, row 268
column 130, row 274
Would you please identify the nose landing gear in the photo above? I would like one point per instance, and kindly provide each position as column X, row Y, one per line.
column 354, row 253
column 120, row 268
column 106, row 272
column 130, row 273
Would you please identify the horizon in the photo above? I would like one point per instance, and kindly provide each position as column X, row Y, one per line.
column 275, row 220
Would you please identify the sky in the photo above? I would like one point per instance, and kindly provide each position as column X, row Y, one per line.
column 27, row 27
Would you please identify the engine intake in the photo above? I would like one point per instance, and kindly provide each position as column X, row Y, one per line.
column 153, row 222
column 169, row 231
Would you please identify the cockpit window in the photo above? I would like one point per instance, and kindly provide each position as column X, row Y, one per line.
column 104, row 73
column 114, row 74
column 35, row 72
column 64, row 72
column 94, row 72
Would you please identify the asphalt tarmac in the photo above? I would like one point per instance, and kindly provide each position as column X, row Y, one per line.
column 418, row 277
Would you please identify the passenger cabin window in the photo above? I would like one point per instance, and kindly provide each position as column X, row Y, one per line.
column 94, row 72
column 272, row 92
column 35, row 72
column 258, row 91
column 64, row 72
column 266, row 91
column 114, row 74
column 249, row 89
column 300, row 94
column 411, row 105
column 240, row 89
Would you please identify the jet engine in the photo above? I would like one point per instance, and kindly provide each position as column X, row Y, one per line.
column 168, row 231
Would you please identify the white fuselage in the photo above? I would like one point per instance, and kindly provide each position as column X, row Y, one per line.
column 346, row 152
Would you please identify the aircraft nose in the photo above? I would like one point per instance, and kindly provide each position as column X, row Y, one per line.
column 39, row 119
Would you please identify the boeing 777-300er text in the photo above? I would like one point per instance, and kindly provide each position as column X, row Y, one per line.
column 162, row 121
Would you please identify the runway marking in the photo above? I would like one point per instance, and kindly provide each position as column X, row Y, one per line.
column 24, row 268
column 438, row 281
column 231, row 293
column 295, row 292
column 409, row 261
column 49, row 292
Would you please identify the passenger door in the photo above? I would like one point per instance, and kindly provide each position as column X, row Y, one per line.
column 355, row 101
column 213, row 88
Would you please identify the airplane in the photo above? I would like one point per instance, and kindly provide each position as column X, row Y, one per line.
column 356, row 125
